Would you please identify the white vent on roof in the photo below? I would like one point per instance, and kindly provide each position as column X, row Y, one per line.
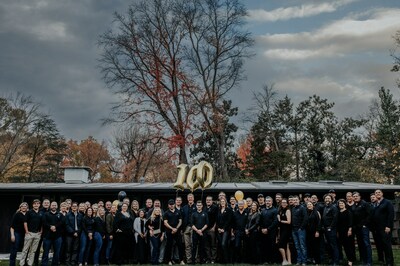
column 76, row 175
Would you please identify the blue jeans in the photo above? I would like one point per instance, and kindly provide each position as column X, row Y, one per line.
column 85, row 245
column 331, row 240
column 299, row 239
column 109, row 248
column 155, row 252
column 364, row 245
column 19, row 240
column 98, row 242
column 47, row 243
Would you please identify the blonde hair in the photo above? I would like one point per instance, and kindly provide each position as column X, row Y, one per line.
column 153, row 214
column 22, row 204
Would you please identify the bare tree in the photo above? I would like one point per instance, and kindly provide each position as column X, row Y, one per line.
column 395, row 55
column 215, row 51
column 142, row 60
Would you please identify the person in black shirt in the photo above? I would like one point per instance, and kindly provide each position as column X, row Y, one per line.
column 173, row 222
column 211, row 244
column 382, row 219
column 123, row 228
column 33, row 230
column 17, row 231
column 99, row 232
column 313, row 236
column 187, row 211
column 345, row 231
column 199, row 221
column 45, row 208
column 73, row 226
column 329, row 224
column 233, row 203
column 86, row 236
column 239, row 225
column 251, row 230
column 285, row 231
column 268, row 227
column 156, row 227
column 261, row 202
column 361, row 221
column 224, row 225
column 52, row 229
column 299, row 224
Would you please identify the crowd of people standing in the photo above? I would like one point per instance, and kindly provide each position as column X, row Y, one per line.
column 298, row 230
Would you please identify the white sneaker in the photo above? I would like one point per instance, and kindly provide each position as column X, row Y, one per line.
column 285, row 262
column 170, row 263
column 182, row 263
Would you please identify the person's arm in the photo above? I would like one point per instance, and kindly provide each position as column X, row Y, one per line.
column 12, row 235
column 390, row 217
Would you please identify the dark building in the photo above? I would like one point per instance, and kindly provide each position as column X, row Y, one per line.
column 12, row 194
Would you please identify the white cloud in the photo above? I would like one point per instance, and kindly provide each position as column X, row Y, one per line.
column 335, row 39
column 302, row 11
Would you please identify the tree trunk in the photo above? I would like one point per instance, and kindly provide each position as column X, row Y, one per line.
column 182, row 155
column 221, row 150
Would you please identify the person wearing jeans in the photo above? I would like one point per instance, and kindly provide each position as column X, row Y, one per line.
column 156, row 227
column 99, row 234
column 299, row 223
column 17, row 231
column 52, row 227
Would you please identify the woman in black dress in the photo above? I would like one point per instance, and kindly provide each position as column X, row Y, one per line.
column 252, row 247
column 224, row 225
column 344, row 229
column 123, row 227
column 313, row 230
column 285, row 231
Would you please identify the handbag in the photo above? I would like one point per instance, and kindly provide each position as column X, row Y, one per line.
column 157, row 231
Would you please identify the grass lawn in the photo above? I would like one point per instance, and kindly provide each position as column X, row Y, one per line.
column 396, row 254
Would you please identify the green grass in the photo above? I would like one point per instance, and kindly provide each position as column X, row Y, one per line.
column 396, row 255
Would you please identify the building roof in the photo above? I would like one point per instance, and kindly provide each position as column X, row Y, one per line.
column 271, row 186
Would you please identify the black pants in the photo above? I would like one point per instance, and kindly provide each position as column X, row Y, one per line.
column 386, row 240
column 238, row 246
column 252, row 248
column 141, row 250
column 72, row 247
column 223, row 245
column 123, row 248
column 198, row 242
column 171, row 240
column 268, row 248
column 313, row 246
column 347, row 242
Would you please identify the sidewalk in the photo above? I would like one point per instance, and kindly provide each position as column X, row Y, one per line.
column 6, row 256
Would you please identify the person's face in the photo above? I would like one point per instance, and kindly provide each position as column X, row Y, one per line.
column 157, row 211
column 95, row 208
column 157, row 204
column 373, row 198
column 124, row 207
column 314, row 199
column 171, row 206
column 101, row 211
column 108, row 205
column 378, row 194
column 68, row 202
column 296, row 201
column 63, row 208
column 127, row 201
column 100, row 204
column 23, row 208
column 261, row 200
column 284, row 203
column 178, row 202
column 46, row 204
column 82, row 207
column 341, row 205
column 199, row 206
column 241, row 205
column 74, row 207
column 222, row 202
column 291, row 202
column 87, row 203
column 190, row 199
column 268, row 202
column 249, row 201
column 209, row 201
column 349, row 197
column 254, row 207
column 141, row 214
column 89, row 212
column 149, row 203
column 278, row 198
column 310, row 206
column 135, row 205
column 327, row 200
column 113, row 209
column 221, row 195
column 232, row 201
column 53, row 206
column 356, row 197
column 333, row 195
column 36, row 206
column 307, row 199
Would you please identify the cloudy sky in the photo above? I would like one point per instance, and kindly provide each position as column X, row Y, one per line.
column 338, row 49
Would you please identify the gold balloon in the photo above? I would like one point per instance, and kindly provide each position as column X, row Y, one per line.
column 183, row 170
column 204, row 174
column 115, row 203
column 191, row 179
column 239, row 195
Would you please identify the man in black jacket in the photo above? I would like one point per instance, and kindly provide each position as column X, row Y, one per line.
column 361, row 222
column 211, row 244
column 329, row 222
column 299, row 223
column 52, row 228
column 268, row 227
column 382, row 219
column 73, row 226
column 238, row 228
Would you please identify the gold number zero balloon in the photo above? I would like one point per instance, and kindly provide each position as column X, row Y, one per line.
column 191, row 179
column 183, row 170
column 205, row 174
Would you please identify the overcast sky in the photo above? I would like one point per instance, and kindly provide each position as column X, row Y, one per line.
column 338, row 49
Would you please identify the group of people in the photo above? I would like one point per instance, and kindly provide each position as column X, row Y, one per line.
column 298, row 230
